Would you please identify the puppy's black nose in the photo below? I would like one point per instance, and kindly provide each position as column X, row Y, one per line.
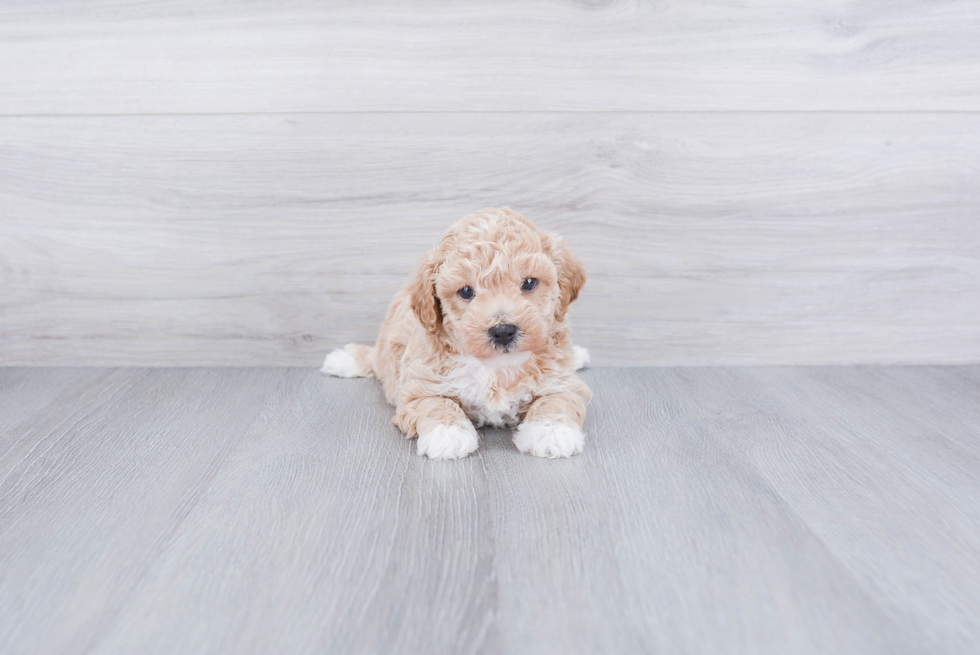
column 503, row 334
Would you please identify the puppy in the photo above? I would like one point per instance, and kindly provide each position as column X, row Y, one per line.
column 480, row 337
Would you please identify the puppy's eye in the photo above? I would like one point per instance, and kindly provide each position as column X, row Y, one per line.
column 466, row 293
column 530, row 283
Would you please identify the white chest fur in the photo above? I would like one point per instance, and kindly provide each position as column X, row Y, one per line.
column 482, row 388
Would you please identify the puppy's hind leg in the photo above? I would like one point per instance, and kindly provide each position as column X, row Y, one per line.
column 580, row 357
column 356, row 360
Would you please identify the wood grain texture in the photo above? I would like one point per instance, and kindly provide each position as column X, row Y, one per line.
column 754, row 238
column 107, row 470
column 715, row 510
column 113, row 57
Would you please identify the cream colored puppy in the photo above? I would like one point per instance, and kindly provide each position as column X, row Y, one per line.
column 480, row 337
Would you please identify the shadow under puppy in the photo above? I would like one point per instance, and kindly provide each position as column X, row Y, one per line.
column 480, row 336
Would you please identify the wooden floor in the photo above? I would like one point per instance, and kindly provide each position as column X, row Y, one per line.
column 715, row 510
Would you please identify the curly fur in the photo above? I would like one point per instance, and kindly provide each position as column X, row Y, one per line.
column 437, row 363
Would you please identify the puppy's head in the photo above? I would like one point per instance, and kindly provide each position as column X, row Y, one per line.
column 496, row 284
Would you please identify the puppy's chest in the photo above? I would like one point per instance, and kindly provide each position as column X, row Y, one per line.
column 492, row 392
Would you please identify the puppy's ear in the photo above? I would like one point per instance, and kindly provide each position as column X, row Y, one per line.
column 422, row 292
column 571, row 275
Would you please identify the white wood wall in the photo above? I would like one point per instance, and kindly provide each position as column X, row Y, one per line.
column 191, row 183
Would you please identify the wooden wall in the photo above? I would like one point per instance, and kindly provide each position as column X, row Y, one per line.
column 205, row 183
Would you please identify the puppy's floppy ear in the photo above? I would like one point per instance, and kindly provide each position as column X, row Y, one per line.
column 571, row 275
column 422, row 292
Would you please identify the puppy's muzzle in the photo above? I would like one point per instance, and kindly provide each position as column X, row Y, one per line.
column 503, row 335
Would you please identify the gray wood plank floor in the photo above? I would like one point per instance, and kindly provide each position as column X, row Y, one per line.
column 715, row 510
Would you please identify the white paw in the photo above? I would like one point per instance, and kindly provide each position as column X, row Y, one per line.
column 448, row 441
column 341, row 364
column 580, row 356
column 549, row 439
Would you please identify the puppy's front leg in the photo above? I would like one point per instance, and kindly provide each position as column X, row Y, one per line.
column 442, row 427
column 553, row 426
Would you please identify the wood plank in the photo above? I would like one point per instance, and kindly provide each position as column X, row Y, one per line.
column 702, row 553
column 709, row 238
column 93, row 486
column 118, row 57
column 882, row 491
column 341, row 538
column 772, row 510
column 27, row 392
